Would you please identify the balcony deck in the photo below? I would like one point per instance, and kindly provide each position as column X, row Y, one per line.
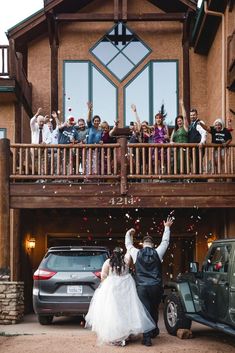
column 122, row 176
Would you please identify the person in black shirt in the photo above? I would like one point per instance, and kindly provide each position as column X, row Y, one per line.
column 220, row 135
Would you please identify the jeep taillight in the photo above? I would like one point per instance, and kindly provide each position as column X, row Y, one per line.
column 43, row 274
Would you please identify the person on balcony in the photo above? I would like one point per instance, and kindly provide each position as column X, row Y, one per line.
column 180, row 135
column 82, row 130
column 53, row 124
column 148, row 273
column 160, row 135
column 94, row 137
column 39, row 132
column 39, row 128
column 68, row 135
column 220, row 135
column 196, row 134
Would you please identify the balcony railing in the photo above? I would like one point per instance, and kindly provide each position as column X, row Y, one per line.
column 4, row 60
column 11, row 66
column 121, row 162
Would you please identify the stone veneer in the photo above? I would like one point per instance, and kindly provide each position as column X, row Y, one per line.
column 11, row 302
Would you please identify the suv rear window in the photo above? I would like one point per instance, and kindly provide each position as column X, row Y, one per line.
column 76, row 260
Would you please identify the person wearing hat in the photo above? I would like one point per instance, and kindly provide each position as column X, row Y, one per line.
column 67, row 132
column 220, row 135
column 148, row 273
column 116, row 311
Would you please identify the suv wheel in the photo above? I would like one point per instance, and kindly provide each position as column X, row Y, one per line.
column 45, row 320
column 174, row 316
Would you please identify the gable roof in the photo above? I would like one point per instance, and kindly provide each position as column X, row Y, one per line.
column 36, row 25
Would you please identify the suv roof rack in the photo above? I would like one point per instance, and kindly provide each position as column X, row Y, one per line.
column 76, row 247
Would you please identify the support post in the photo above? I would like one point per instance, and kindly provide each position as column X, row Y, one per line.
column 186, row 67
column 123, row 160
column 4, row 206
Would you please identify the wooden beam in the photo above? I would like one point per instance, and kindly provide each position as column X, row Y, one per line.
column 124, row 10
column 147, row 195
column 116, row 10
column 91, row 17
column 186, row 67
column 54, row 76
column 54, row 43
column 189, row 4
column 4, row 205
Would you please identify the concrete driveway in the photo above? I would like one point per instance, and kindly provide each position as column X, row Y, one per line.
column 67, row 335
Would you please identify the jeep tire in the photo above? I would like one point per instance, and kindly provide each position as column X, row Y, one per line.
column 174, row 316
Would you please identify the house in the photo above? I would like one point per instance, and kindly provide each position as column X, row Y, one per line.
column 114, row 53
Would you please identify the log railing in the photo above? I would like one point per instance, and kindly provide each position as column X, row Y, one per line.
column 106, row 162
column 31, row 162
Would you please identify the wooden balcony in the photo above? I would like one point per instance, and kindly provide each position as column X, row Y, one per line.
column 14, row 84
column 121, row 175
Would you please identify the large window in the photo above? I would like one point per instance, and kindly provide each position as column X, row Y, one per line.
column 84, row 82
column 154, row 88
column 120, row 51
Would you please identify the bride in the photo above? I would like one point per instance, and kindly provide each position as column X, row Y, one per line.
column 115, row 310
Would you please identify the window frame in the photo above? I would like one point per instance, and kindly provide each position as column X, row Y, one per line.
column 121, row 51
column 151, row 98
column 90, row 83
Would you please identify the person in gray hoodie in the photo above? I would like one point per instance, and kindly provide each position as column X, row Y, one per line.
column 148, row 273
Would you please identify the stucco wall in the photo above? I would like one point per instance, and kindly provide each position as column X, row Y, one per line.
column 214, row 83
column 39, row 61
column 7, row 120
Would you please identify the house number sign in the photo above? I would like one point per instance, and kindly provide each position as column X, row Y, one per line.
column 121, row 201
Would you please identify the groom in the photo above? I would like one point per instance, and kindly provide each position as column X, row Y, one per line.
column 148, row 273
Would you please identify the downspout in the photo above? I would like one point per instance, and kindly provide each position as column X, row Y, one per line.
column 220, row 14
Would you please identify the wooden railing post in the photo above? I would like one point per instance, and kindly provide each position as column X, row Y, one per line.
column 123, row 160
column 4, row 205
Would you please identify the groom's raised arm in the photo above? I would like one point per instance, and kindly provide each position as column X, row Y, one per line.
column 129, row 244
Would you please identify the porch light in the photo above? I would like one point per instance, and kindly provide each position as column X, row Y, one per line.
column 31, row 243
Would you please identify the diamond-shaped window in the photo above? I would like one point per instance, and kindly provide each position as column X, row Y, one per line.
column 120, row 51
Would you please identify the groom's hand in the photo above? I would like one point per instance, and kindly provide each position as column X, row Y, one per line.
column 169, row 221
column 131, row 231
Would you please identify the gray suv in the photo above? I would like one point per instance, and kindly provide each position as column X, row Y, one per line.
column 65, row 281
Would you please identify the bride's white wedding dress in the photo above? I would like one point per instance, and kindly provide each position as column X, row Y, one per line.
column 116, row 311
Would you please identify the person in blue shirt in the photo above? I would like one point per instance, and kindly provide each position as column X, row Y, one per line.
column 94, row 136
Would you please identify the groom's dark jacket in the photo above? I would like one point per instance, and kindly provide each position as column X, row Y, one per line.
column 148, row 268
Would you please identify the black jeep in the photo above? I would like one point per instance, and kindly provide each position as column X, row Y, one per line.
column 206, row 296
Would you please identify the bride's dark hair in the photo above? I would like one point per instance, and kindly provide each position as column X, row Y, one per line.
column 117, row 260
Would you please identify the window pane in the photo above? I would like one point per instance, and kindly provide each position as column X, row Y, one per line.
column 120, row 66
column 104, row 97
column 165, row 89
column 105, row 51
column 2, row 133
column 137, row 92
column 76, row 89
column 135, row 51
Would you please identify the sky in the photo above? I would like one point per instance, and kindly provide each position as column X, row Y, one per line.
column 14, row 11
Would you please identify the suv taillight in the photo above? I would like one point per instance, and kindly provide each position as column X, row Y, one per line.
column 43, row 274
column 98, row 274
